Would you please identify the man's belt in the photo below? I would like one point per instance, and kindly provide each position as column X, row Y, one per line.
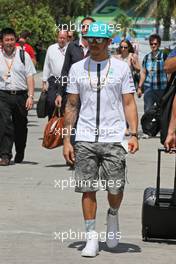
column 14, row 92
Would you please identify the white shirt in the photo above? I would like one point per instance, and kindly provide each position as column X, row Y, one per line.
column 85, row 49
column 18, row 72
column 54, row 61
column 103, row 114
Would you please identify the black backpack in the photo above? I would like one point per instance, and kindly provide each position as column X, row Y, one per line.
column 150, row 121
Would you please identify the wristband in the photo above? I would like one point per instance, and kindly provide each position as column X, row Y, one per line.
column 134, row 135
column 31, row 96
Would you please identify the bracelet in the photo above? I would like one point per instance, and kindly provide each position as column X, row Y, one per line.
column 31, row 96
column 134, row 135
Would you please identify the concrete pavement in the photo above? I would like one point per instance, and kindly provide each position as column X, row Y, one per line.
column 36, row 213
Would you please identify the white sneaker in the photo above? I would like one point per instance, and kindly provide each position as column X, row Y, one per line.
column 92, row 248
column 113, row 234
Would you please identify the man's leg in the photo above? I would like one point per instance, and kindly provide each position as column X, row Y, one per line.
column 6, row 129
column 51, row 96
column 149, row 99
column 86, row 177
column 113, row 174
column 20, row 121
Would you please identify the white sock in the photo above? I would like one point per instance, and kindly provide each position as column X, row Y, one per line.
column 90, row 225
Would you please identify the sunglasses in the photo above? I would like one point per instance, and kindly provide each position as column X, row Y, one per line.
column 123, row 47
column 153, row 44
column 98, row 40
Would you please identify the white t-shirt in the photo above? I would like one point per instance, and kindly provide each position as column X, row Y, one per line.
column 18, row 72
column 101, row 116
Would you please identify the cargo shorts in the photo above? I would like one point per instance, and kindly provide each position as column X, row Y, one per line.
column 99, row 166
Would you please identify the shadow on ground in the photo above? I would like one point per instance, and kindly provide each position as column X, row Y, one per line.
column 121, row 248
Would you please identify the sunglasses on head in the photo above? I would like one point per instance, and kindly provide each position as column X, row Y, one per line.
column 98, row 40
column 123, row 47
column 153, row 44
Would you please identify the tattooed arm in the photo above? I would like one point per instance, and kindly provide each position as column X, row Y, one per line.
column 71, row 112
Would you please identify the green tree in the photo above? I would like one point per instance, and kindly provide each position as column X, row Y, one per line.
column 21, row 16
column 125, row 24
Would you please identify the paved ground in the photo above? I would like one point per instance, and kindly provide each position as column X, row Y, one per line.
column 36, row 213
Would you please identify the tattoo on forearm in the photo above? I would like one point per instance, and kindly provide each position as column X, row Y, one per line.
column 71, row 112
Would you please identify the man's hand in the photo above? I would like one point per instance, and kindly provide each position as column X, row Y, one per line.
column 58, row 101
column 29, row 103
column 133, row 145
column 44, row 86
column 68, row 152
column 170, row 141
column 139, row 92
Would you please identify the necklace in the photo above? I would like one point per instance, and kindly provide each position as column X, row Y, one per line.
column 100, row 86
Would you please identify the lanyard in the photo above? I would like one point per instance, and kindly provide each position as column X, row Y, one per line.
column 9, row 66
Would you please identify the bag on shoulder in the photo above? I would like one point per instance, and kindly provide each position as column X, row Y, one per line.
column 150, row 121
column 41, row 105
column 166, row 107
column 53, row 136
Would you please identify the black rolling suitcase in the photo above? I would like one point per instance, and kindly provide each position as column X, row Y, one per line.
column 159, row 209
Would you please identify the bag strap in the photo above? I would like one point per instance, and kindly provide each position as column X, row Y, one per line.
column 22, row 55
column 56, row 112
column 158, row 178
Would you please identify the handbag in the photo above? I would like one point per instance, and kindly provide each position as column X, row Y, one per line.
column 41, row 105
column 53, row 136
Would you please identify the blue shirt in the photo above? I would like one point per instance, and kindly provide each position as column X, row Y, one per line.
column 172, row 53
column 156, row 78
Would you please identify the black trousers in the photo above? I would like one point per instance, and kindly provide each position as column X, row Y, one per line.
column 13, row 123
column 51, row 95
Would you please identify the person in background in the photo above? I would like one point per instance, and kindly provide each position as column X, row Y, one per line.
column 53, row 64
column 22, row 42
column 170, row 67
column 70, row 36
column 153, row 78
column 126, row 53
column 16, row 98
column 77, row 50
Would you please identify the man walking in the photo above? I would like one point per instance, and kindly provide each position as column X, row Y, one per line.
column 77, row 50
column 106, row 90
column 52, row 69
column 15, row 100
column 153, row 78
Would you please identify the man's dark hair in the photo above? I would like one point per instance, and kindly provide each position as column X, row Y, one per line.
column 88, row 18
column 8, row 31
column 153, row 37
column 25, row 34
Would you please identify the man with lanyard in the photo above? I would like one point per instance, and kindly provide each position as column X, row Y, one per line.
column 52, row 69
column 153, row 78
column 105, row 87
column 15, row 100
column 76, row 51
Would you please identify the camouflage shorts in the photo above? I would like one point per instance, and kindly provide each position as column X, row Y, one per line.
column 99, row 166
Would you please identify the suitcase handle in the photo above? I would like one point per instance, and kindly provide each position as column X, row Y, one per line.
column 158, row 177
